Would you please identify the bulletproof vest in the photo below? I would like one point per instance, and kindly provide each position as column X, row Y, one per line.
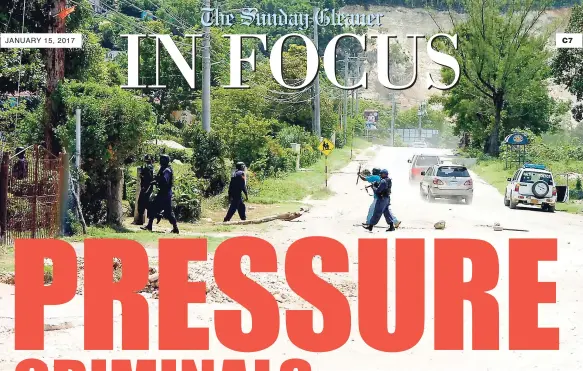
column 147, row 175
column 387, row 190
column 162, row 185
column 237, row 183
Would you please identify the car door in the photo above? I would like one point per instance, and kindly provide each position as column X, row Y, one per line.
column 427, row 178
column 511, row 184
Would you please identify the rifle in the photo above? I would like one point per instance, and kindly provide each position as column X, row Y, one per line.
column 358, row 173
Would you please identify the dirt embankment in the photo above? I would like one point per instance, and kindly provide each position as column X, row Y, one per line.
column 406, row 21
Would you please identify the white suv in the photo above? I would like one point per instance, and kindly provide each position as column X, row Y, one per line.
column 531, row 185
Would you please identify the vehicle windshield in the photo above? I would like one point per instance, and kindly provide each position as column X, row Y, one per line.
column 453, row 171
column 426, row 161
column 535, row 176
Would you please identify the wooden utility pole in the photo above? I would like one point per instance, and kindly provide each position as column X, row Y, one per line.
column 55, row 66
column 206, row 76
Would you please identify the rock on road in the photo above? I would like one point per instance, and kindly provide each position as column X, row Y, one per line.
column 337, row 218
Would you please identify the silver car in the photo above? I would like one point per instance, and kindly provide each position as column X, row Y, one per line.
column 447, row 181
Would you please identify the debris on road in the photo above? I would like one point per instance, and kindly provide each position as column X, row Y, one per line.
column 285, row 217
column 439, row 225
column 498, row 228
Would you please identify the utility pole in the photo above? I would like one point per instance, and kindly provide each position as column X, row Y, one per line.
column 78, row 147
column 55, row 66
column 420, row 115
column 394, row 103
column 206, row 76
column 316, row 109
column 345, row 95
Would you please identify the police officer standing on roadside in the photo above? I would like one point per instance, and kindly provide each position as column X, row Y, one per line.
column 146, row 179
column 163, row 200
column 20, row 168
column 383, row 192
column 237, row 186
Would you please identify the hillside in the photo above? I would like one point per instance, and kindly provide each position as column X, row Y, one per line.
column 407, row 21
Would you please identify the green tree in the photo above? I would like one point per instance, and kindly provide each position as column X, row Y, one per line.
column 115, row 124
column 567, row 65
column 501, row 58
column 434, row 119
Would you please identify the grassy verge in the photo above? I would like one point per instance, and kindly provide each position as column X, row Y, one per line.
column 6, row 259
column 148, row 239
column 311, row 182
column 493, row 172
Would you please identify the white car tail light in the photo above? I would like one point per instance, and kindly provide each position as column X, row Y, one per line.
column 437, row 181
column 468, row 183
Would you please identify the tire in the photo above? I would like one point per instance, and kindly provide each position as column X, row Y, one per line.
column 469, row 200
column 551, row 209
column 506, row 201
column 511, row 203
column 539, row 195
column 430, row 197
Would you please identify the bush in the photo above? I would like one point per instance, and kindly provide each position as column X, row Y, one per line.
column 576, row 194
column 340, row 139
column 187, row 195
column 277, row 160
column 208, row 159
column 308, row 143
column 182, row 155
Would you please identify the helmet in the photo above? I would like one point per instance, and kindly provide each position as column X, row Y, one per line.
column 240, row 166
column 376, row 171
column 384, row 171
column 164, row 160
column 147, row 158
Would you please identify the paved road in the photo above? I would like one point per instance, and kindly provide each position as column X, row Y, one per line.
column 337, row 218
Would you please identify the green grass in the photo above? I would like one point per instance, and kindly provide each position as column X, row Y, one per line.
column 145, row 238
column 6, row 259
column 493, row 172
column 298, row 185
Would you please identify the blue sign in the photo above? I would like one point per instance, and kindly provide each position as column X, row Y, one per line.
column 534, row 166
column 516, row 139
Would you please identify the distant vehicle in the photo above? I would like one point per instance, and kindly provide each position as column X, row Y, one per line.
column 419, row 144
column 532, row 184
column 420, row 163
column 447, row 181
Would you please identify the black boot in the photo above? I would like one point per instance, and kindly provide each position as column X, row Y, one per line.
column 368, row 227
column 148, row 227
column 158, row 218
column 391, row 227
column 175, row 229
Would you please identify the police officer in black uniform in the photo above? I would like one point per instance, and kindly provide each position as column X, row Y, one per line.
column 237, row 186
column 163, row 199
column 20, row 168
column 146, row 179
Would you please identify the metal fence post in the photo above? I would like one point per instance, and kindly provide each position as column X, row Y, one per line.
column 4, row 194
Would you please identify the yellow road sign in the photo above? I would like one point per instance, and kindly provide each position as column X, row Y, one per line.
column 326, row 147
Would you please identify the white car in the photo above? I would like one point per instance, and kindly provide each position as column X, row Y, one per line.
column 531, row 185
column 447, row 181
column 419, row 144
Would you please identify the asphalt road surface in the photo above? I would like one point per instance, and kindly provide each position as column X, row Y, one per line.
column 339, row 217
